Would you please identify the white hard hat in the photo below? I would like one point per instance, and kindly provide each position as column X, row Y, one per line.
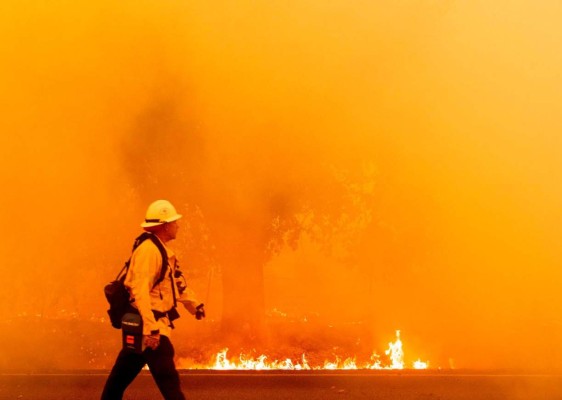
column 160, row 212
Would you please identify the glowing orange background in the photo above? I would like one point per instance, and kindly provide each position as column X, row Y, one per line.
column 448, row 112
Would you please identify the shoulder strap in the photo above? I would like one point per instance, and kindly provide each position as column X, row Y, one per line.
column 125, row 268
column 164, row 255
column 165, row 263
column 138, row 241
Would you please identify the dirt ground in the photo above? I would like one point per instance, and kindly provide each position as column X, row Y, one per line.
column 203, row 385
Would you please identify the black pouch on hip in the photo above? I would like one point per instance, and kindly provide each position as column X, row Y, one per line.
column 131, row 326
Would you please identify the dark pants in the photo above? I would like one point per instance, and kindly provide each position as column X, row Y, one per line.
column 162, row 367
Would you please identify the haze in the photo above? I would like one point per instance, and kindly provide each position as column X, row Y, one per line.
column 428, row 133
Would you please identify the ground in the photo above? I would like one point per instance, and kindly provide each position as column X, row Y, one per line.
column 305, row 385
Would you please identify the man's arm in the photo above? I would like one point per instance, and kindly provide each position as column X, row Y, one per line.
column 145, row 265
column 187, row 298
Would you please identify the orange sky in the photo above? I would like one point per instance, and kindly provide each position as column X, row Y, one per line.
column 452, row 106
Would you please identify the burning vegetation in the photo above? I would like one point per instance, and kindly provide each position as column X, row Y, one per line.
column 394, row 353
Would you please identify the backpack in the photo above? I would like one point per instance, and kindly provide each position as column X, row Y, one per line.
column 116, row 293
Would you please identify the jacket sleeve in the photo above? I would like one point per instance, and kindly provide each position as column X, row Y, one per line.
column 146, row 262
column 187, row 298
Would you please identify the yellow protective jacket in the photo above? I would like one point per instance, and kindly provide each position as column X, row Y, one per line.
column 144, row 270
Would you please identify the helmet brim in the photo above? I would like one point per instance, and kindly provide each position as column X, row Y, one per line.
column 152, row 224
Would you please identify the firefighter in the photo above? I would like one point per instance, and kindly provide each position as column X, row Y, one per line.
column 156, row 306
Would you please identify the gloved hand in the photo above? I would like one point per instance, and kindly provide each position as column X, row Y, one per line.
column 152, row 341
column 200, row 311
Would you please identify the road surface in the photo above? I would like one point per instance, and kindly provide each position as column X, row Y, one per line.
column 297, row 385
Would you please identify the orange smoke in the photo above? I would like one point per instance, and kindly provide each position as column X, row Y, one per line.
column 375, row 164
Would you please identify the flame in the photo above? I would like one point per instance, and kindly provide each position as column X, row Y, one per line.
column 418, row 364
column 394, row 353
column 260, row 363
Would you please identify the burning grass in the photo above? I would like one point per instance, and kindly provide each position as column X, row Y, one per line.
column 302, row 346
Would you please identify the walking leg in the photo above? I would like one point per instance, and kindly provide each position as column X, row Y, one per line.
column 163, row 370
column 126, row 368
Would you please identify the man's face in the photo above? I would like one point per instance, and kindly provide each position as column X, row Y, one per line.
column 172, row 229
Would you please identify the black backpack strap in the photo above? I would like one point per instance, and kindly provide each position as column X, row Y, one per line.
column 125, row 268
column 152, row 237
column 164, row 255
column 165, row 265
column 137, row 243
column 147, row 235
column 141, row 238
